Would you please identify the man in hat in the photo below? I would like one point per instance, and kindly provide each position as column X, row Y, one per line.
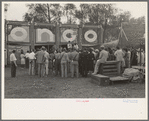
column 102, row 59
column 83, row 62
column 64, row 60
column 74, row 57
column 32, row 62
column 119, row 54
column 46, row 55
column 41, row 61
column 13, row 63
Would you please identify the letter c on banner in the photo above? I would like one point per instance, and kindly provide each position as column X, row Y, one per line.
column 18, row 38
column 72, row 34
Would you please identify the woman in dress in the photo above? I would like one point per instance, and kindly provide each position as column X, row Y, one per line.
column 22, row 56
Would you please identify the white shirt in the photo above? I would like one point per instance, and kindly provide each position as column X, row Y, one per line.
column 69, row 45
column 76, row 47
column 27, row 55
column 119, row 55
column 31, row 55
column 129, row 54
column 13, row 57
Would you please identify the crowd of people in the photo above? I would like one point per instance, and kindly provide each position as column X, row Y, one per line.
column 74, row 61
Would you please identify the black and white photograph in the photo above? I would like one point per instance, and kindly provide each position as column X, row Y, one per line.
column 87, row 58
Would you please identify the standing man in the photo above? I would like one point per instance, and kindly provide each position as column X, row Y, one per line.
column 13, row 64
column 74, row 63
column 32, row 58
column 83, row 61
column 102, row 59
column 27, row 59
column 70, row 58
column 119, row 54
column 64, row 59
column 41, row 61
column 129, row 56
column 46, row 55
column 57, row 63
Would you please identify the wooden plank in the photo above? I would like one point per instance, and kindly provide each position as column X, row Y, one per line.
column 111, row 62
column 109, row 66
column 119, row 78
column 109, row 70
column 110, row 73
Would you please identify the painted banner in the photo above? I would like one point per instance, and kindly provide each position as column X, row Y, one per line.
column 91, row 36
column 19, row 34
column 44, row 35
column 69, row 35
column 112, row 44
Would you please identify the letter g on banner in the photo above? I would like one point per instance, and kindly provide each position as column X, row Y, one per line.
column 21, row 36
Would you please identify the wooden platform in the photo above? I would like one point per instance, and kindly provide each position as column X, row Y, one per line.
column 110, row 68
column 109, row 73
column 100, row 80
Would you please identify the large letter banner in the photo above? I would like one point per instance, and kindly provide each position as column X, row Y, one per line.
column 91, row 36
column 19, row 34
column 44, row 35
column 69, row 35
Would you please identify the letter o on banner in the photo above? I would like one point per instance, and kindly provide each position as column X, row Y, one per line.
column 19, row 38
column 90, row 39
column 71, row 32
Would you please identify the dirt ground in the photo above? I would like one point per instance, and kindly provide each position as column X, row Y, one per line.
column 25, row 86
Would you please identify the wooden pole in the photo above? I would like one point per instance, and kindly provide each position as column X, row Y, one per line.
column 6, row 46
column 57, row 34
column 32, row 35
column 80, row 37
column 121, row 34
column 140, row 53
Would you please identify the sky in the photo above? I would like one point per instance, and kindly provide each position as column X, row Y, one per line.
column 16, row 10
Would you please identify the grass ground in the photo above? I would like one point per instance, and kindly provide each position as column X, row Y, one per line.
column 25, row 86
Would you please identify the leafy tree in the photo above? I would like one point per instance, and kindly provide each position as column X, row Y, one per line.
column 48, row 13
column 82, row 14
column 69, row 11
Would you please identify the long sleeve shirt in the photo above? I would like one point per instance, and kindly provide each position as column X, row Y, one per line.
column 64, row 57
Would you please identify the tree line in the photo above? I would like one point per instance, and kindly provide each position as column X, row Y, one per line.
column 95, row 14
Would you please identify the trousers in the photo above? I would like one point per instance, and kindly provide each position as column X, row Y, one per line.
column 64, row 69
column 41, row 70
column 97, row 66
column 13, row 70
column 46, row 67
column 74, row 68
column 57, row 67
column 31, row 67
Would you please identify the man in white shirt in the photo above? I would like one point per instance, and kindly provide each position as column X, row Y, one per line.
column 102, row 59
column 46, row 62
column 119, row 54
column 32, row 58
column 129, row 55
column 13, row 64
